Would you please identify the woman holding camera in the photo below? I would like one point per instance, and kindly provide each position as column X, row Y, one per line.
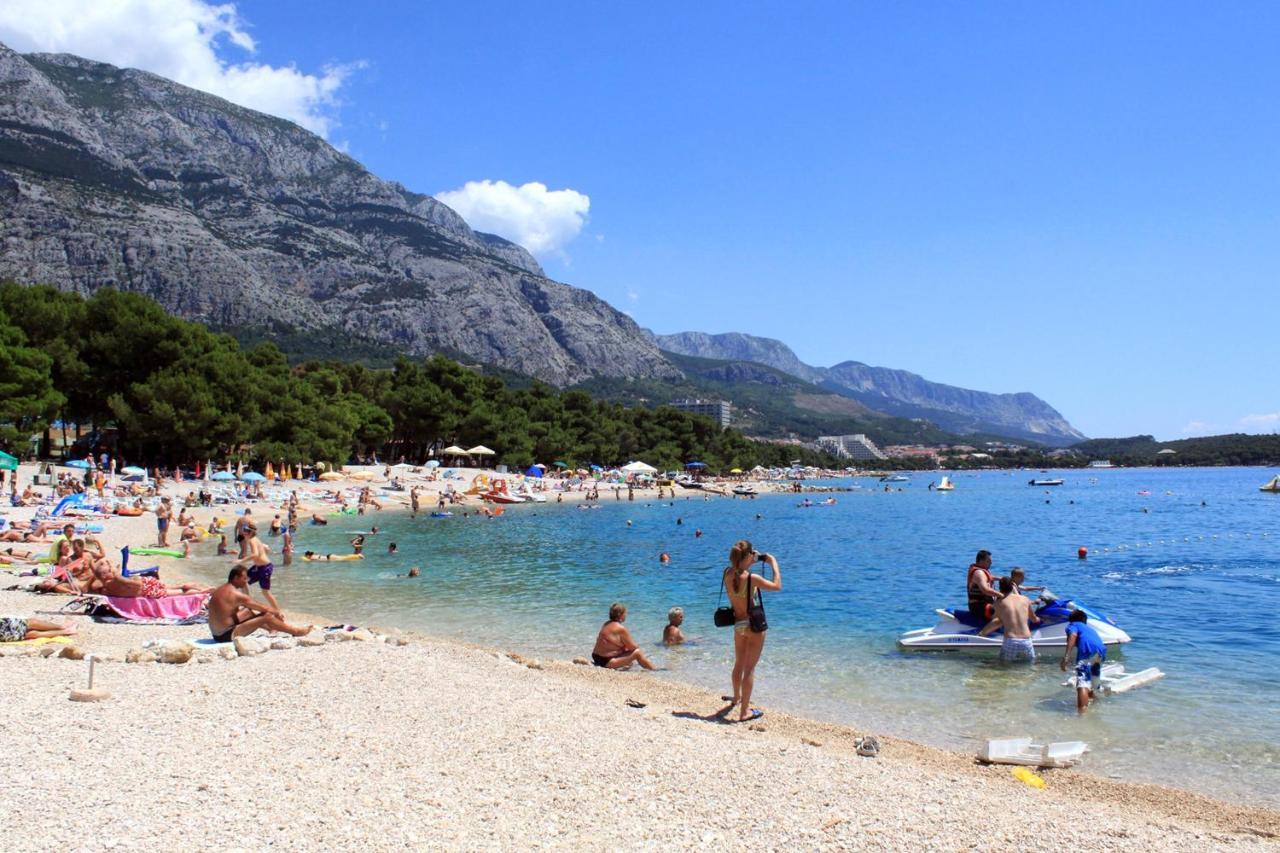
column 744, row 592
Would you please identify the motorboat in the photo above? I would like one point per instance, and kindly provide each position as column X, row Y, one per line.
column 945, row 486
column 896, row 478
column 1273, row 486
column 745, row 491
column 687, row 482
column 1045, row 482
column 958, row 629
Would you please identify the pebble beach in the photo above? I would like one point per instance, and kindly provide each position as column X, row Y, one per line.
column 381, row 739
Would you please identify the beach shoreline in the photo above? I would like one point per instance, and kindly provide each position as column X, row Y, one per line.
column 1177, row 817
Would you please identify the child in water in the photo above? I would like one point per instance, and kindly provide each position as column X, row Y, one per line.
column 1090, row 653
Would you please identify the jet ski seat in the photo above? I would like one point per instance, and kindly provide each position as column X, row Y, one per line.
column 964, row 617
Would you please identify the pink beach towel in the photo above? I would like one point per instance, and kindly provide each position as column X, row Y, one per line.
column 171, row 608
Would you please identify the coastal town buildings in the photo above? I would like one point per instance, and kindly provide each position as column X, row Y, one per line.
column 720, row 411
column 851, row 446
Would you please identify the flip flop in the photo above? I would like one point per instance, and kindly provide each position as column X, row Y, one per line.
column 756, row 714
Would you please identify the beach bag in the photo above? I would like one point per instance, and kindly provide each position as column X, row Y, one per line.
column 723, row 616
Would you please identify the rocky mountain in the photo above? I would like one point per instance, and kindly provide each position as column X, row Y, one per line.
column 117, row 177
column 894, row 392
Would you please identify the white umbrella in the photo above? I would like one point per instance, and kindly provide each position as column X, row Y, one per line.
column 481, row 450
column 639, row 468
column 454, row 450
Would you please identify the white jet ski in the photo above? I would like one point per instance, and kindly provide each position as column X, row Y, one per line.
column 958, row 629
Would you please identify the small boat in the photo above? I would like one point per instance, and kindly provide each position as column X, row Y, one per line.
column 746, row 491
column 688, row 483
column 896, row 478
column 1273, row 486
column 1045, row 482
column 945, row 486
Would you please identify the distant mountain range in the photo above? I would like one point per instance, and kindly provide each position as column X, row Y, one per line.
column 893, row 392
column 117, row 177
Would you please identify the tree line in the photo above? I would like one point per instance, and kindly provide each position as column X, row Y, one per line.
column 177, row 393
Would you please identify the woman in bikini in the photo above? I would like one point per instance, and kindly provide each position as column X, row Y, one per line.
column 741, row 585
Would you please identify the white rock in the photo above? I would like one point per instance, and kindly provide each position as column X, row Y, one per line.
column 283, row 643
column 249, row 646
column 315, row 638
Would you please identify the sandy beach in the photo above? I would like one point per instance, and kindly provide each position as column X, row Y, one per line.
column 382, row 740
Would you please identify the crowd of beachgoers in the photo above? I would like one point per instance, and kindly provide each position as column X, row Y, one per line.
column 354, row 751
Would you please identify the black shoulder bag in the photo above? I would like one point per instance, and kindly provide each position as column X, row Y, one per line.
column 724, row 615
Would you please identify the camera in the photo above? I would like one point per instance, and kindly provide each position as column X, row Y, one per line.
column 761, row 555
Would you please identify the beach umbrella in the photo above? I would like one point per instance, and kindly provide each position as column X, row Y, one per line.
column 433, row 463
column 239, row 468
column 402, row 465
column 735, row 470
column 8, row 462
column 76, row 463
column 595, row 467
column 253, row 477
column 533, row 471
column 560, row 464
column 270, row 473
column 133, row 471
column 638, row 468
column 208, row 467
column 695, row 465
column 454, row 450
column 223, row 476
column 362, row 475
column 481, row 450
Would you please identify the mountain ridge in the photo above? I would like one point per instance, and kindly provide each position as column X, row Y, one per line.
column 890, row 391
column 119, row 177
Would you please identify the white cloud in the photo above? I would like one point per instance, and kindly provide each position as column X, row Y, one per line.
column 537, row 218
column 1197, row 428
column 178, row 39
column 633, row 296
column 1261, row 422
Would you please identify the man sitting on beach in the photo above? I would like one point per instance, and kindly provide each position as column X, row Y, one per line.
column 233, row 613
column 614, row 647
column 1015, row 614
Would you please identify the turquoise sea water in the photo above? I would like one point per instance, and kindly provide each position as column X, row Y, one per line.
column 1195, row 580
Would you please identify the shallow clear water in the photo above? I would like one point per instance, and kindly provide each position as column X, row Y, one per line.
column 1196, row 585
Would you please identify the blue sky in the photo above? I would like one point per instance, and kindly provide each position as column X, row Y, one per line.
column 1079, row 201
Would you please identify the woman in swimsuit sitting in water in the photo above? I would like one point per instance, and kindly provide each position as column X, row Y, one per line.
column 614, row 647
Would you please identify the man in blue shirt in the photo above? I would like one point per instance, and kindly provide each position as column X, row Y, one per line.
column 1090, row 653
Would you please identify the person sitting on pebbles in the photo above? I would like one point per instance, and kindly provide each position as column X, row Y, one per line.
column 233, row 613
column 614, row 648
column 189, row 533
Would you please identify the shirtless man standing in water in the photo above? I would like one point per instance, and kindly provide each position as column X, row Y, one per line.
column 1015, row 614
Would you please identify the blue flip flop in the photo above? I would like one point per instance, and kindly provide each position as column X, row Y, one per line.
column 756, row 714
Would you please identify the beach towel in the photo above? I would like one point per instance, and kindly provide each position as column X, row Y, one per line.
column 40, row 641
column 170, row 610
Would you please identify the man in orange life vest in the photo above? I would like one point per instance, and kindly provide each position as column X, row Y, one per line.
column 982, row 595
